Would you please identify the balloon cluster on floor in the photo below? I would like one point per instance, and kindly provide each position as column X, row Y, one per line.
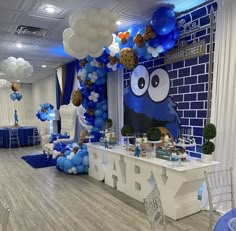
column 15, row 95
column 74, row 160
column 44, row 111
column 17, row 69
column 126, row 49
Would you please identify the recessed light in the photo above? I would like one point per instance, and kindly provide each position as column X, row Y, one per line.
column 17, row 80
column 50, row 9
column 19, row 45
column 44, row 66
column 118, row 22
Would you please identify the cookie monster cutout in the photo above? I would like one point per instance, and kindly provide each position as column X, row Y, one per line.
column 147, row 103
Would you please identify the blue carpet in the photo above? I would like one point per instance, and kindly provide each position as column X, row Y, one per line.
column 39, row 161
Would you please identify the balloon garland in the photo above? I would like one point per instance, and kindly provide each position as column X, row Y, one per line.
column 126, row 49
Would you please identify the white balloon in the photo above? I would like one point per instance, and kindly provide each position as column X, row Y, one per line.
column 104, row 12
column 82, row 55
column 96, row 54
column 75, row 43
column 73, row 19
column 91, row 14
column 81, row 27
column 67, row 33
column 68, row 50
column 94, row 48
column 11, row 59
column 113, row 28
column 91, row 34
column 114, row 17
column 108, row 41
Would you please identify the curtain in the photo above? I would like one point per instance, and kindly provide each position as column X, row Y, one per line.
column 115, row 100
column 69, row 82
column 223, row 111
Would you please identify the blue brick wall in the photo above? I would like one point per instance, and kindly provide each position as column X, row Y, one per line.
column 189, row 78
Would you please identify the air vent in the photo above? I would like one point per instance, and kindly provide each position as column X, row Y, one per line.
column 31, row 31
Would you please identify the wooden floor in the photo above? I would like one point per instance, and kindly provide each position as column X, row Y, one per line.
column 48, row 200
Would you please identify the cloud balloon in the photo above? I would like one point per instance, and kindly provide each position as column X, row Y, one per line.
column 16, row 68
column 4, row 84
column 89, row 34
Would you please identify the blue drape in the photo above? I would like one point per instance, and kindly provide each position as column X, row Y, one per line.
column 69, row 81
column 58, row 94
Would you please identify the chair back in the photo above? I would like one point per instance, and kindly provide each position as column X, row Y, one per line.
column 13, row 137
column 4, row 216
column 68, row 114
column 220, row 189
column 154, row 209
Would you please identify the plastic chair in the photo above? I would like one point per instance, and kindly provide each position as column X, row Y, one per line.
column 13, row 137
column 154, row 210
column 35, row 139
column 220, row 189
column 4, row 216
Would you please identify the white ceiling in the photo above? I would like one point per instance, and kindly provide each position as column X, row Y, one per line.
column 39, row 50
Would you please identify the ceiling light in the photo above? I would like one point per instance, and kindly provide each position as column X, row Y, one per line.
column 44, row 66
column 17, row 80
column 118, row 22
column 19, row 45
column 50, row 9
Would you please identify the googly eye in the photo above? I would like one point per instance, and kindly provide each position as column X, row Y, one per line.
column 159, row 85
column 139, row 80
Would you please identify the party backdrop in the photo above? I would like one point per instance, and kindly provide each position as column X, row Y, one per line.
column 147, row 102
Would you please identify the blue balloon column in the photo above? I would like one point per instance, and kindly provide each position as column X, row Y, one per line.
column 16, row 96
column 74, row 163
column 92, row 81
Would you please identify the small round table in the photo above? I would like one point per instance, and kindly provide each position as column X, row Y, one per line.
column 222, row 223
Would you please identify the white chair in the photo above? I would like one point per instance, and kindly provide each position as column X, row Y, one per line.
column 68, row 114
column 35, row 138
column 154, row 210
column 13, row 137
column 220, row 189
column 4, row 216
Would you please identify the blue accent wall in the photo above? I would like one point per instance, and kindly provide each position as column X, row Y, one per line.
column 189, row 78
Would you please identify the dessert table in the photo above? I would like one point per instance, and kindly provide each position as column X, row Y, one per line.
column 178, row 182
column 23, row 131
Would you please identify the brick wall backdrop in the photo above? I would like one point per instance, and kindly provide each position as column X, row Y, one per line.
column 189, row 78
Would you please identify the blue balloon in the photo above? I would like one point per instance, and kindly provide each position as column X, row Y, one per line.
column 18, row 96
column 168, row 44
column 133, row 31
column 89, row 68
column 98, row 112
column 104, row 107
column 99, row 122
column 77, row 160
column 103, row 58
column 104, row 115
column 101, row 72
column 85, row 160
column 84, row 147
column 91, row 104
column 60, row 162
column 68, row 165
column 163, row 20
column 67, row 153
column 154, row 42
column 13, row 96
column 80, row 168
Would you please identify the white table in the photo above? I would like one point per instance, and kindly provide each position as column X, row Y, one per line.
column 136, row 176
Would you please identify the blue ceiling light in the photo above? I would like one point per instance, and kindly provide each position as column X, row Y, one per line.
column 59, row 51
